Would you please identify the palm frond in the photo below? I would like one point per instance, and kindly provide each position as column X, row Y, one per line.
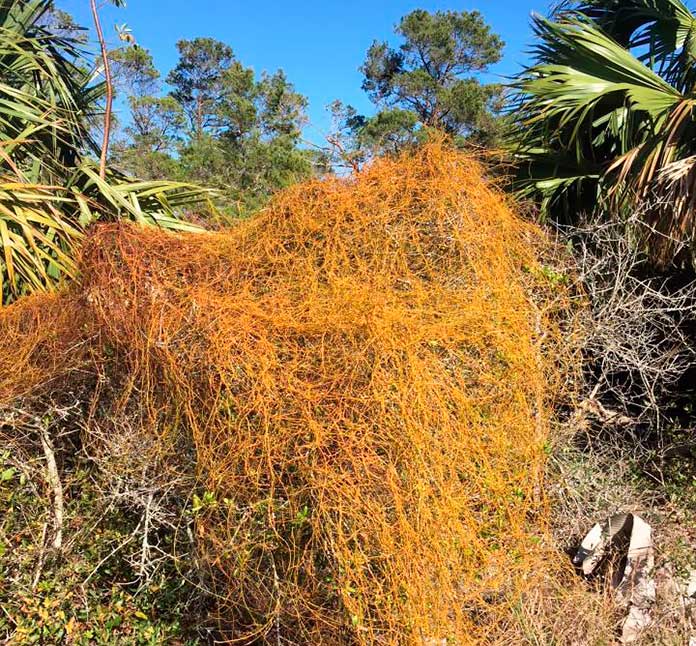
column 50, row 189
column 607, row 107
column 578, row 63
column 662, row 33
column 38, row 242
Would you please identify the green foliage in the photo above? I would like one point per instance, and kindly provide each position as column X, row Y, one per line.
column 221, row 125
column 152, row 137
column 430, row 79
column 605, row 116
column 89, row 594
column 390, row 130
column 49, row 190
column 199, row 81
column 246, row 171
column 133, row 70
column 387, row 131
column 358, row 137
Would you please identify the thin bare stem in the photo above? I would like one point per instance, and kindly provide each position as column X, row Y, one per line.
column 109, row 90
column 53, row 478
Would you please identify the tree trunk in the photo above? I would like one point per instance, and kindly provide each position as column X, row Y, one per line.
column 109, row 91
column 199, row 117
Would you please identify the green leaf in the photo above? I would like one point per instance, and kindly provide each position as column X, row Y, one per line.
column 7, row 474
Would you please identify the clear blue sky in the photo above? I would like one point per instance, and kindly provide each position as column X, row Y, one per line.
column 320, row 45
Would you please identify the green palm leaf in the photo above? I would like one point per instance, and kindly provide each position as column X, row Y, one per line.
column 662, row 33
column 50, row 189
column 607, row 106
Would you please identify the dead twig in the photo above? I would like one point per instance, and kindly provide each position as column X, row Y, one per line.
column 53, row 478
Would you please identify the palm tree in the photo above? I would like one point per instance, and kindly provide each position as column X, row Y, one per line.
column 604, row 118
column 50, row 186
